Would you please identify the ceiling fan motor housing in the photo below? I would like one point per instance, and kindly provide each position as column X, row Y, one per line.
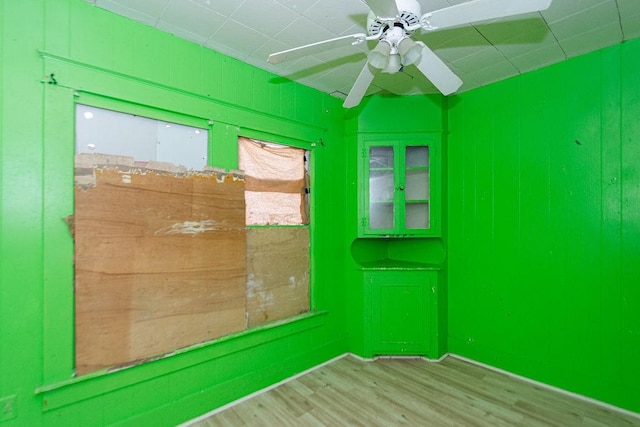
column 409, row 15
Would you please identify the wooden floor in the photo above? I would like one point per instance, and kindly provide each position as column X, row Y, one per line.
column 390, row 392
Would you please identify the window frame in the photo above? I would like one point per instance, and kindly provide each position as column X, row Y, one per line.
column 58, row 253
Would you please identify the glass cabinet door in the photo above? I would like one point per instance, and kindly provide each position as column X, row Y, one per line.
column 381, row 187
column 416, row 187
column 398, row 188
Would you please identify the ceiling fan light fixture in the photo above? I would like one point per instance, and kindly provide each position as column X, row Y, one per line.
column 379, row 56
column 392, row 23
column 409, row 51
column 394, row 64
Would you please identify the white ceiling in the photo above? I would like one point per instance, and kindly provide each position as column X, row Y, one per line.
column 249, row 30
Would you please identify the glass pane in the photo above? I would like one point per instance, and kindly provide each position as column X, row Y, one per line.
column 417, row 185
column 417, row 156
column 145, row 139
column 380, row 215
column 380, row 157
column 381, row 186
column 417, row 215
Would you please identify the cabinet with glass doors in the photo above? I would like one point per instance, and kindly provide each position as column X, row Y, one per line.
column 399, row 188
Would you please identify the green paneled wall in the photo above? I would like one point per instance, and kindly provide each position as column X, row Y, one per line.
column 96, row 55
column 544, row 225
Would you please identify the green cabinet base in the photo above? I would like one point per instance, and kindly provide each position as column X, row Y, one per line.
column 401, row 312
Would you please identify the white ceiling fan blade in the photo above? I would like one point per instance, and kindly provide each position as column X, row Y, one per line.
column 479, row 10
column 437, row 71
column 310, row 49
column 359, row 87
column 383, row 9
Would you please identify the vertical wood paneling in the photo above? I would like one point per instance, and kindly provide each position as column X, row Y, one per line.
column 630, row 232
column 556, row 297
column 21, row 200
column 96, row 51
column 611, row 293
column 186, row 65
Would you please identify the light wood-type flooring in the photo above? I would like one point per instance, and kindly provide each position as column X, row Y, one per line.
column 413, row 392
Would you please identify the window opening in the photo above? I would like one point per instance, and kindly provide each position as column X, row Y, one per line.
column 160, row 252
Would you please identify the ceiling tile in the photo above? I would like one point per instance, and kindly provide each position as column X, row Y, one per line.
column 271, row 46
column 598, row 38
column 356, row 28
column 482, row 58
column 135, row 14
column 299, row 6
column 525, row 44
column 253, row 12
column 631, row 25
column 563, row 9
column 303, row 31
column 223, row 7
column 238, row 37
column 336, row 15
column 193, row 18
column 498, row 71
column 357, row 53
column 433, row 5
column 465, row 43
column 629, row 7
column 337, row 78
column 350, row 65
column 308, row 67
column 538, row 58
column 603, row 14
column 501, row 31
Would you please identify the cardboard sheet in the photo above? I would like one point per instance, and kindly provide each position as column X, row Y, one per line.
column 160, row 262
column 277, row 273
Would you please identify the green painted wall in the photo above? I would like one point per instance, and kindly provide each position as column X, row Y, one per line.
column 544, row 225
column 96, row 55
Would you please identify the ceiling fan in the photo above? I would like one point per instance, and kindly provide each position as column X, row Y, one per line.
column 392, row 22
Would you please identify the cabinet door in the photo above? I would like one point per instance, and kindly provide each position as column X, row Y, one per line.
column 397, row 189
column 399, row 313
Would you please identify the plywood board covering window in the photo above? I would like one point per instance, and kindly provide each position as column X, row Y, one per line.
column 277, row 255
column 277, row 273
column 160, row 260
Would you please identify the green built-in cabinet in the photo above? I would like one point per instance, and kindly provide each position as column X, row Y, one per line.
column 399, row 249
column 401, row 311
column 399, row 180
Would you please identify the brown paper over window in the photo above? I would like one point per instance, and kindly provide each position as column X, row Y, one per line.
column 275, row 183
